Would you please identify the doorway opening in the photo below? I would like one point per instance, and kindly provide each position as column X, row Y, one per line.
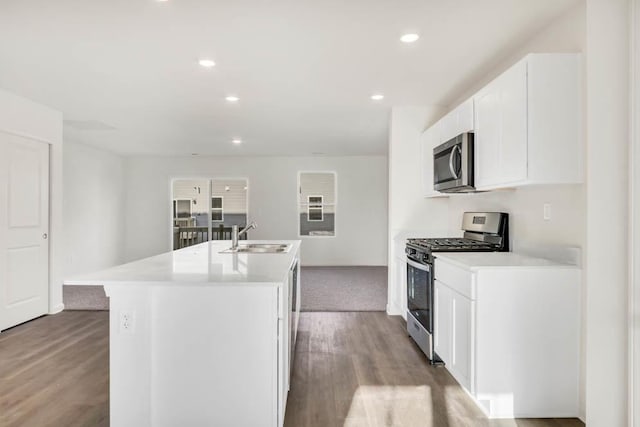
column 205, row 209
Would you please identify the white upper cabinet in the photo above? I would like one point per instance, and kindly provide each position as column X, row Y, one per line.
column 528, row 124
column 458, row 121
column 430, row 138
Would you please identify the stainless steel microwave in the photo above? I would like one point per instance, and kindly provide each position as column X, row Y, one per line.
column 453, row 165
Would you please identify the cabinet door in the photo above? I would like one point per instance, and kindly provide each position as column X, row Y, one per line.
column 513, row 111
column 460, row 365
column 442, row 321
column 487, row 138
column 465, row 117
column 501, row 130
column 448, row 127
column 458, row 121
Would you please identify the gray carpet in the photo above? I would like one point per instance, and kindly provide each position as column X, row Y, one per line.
column 343, row 288
column 322, row 289
column 84, row 298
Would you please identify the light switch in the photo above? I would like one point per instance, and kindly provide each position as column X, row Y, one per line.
column 546, row 214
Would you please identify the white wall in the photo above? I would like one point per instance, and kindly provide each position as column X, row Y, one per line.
column 361, row 219
column 409, row 213
column 634, row 232
column 93, row 209
column 525, row 207
column 408, row 210
column 23, row 117
column 564, row 34
column 607, row 207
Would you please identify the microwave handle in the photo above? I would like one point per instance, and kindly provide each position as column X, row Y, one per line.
column 451, row 167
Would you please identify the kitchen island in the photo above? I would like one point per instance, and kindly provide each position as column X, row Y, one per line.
column 199, row 337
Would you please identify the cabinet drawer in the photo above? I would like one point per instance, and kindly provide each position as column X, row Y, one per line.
column 456, row 278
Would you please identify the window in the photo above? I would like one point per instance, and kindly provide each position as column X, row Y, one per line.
column 317, row 203
column 207, row 208
column 182, row 208
column 314, row 208
column 217, row 212
column 229, row 202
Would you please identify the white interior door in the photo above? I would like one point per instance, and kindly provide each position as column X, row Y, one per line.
column 24, row 228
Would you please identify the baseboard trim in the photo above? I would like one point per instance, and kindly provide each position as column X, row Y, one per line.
column 56, row 308
column 392, row 310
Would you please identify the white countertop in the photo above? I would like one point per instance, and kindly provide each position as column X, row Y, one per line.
column 478, row 260
column 198, row 264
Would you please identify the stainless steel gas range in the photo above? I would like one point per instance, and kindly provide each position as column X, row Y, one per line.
column 483, row 232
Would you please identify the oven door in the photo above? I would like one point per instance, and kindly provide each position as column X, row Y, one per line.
column 453, row 165
column 420, row 293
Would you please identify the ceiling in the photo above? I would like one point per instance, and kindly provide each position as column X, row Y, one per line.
column 125, row 73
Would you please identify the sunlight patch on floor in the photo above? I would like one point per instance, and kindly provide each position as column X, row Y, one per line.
column 390, row 406
column 458, row 415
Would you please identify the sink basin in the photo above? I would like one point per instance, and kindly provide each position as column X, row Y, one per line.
column 265, row 246
column 260, row 248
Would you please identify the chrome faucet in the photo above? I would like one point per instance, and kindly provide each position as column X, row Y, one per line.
column 235, row 234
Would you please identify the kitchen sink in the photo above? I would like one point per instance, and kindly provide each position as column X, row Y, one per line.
column 259, row 248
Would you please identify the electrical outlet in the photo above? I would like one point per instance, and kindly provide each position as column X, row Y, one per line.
column 546, row 211
column 127, row 321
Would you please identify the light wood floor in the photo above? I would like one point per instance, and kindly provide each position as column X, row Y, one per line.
column 351, row 369
column 361, row 369
column 54, row 371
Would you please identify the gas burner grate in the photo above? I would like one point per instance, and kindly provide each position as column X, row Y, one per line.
column 452, row 244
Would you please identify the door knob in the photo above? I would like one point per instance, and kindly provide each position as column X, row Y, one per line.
column 45, row 236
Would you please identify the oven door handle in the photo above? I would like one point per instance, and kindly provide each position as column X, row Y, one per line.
column 423, row 267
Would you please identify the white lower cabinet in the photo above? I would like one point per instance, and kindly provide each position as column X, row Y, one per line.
column 461, row 340
column 453, row 332
column 510, row 335
column 442, row 322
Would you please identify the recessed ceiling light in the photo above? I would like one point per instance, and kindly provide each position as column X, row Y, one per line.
column 237, row 141
column 377, row 97
column 409, row 38
column 232, row 98
column 207, row 63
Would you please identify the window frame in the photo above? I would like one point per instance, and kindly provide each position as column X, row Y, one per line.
column 334, row 205
column 175, row 208
column 170, row 192
column 220, row 209
column 315, row 206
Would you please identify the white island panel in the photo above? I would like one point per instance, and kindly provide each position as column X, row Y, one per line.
column 199, row 337
column 224, row 358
